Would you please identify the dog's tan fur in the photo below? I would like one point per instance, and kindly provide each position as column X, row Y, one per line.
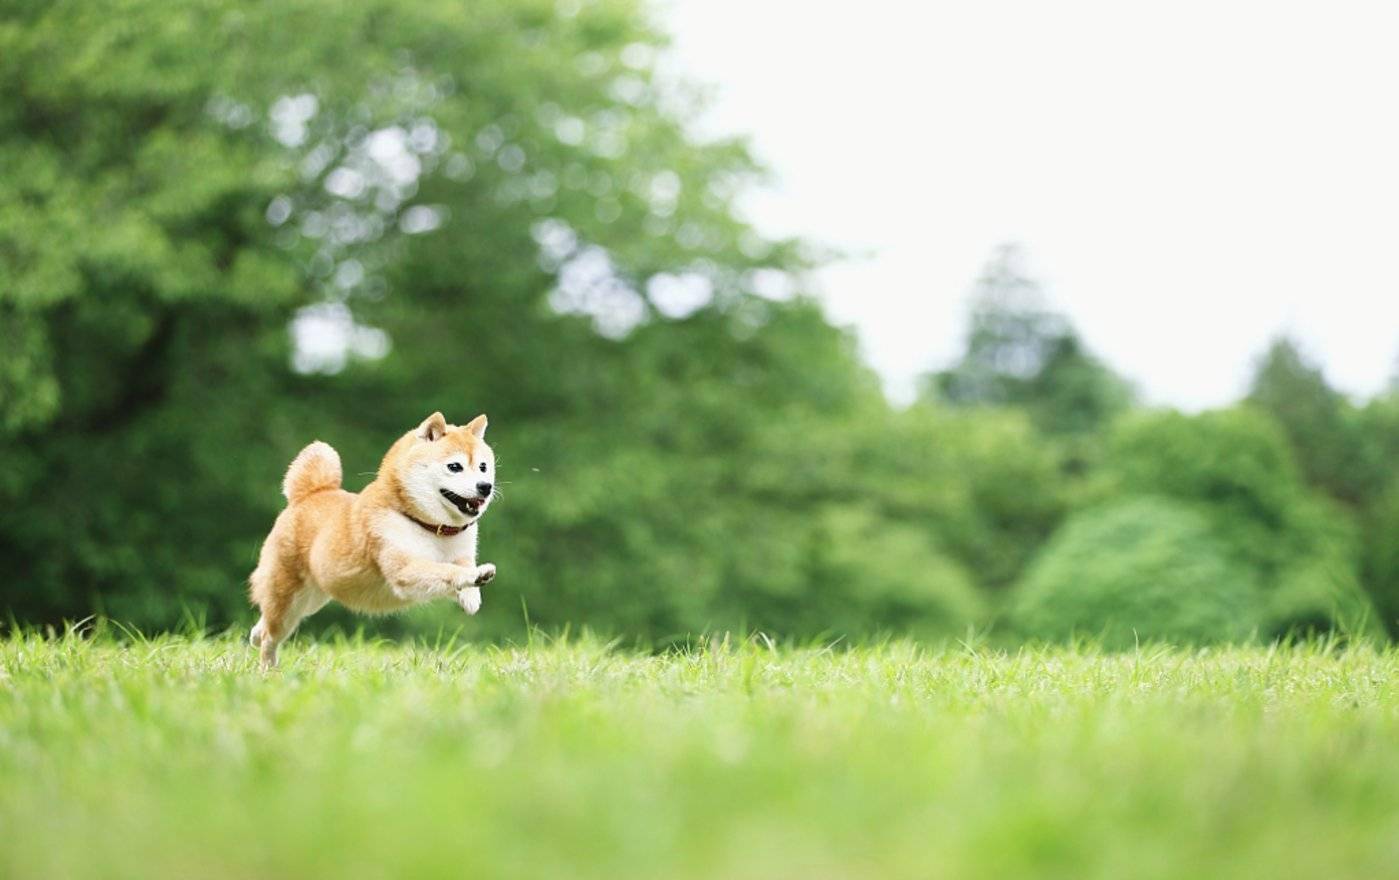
column 364, row 550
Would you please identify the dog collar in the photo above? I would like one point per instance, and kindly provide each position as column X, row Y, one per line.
column 442, row 531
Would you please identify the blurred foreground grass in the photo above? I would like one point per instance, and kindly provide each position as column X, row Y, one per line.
column 174, row 757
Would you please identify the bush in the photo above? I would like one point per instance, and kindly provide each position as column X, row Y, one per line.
column 1138, row 570
column 870, row 573
column 1234, row 463
column 981, row 482
column 1234, row 467
column 1380, row 516
column 1318, row 587
column 1382, row 558
column 1318, row 595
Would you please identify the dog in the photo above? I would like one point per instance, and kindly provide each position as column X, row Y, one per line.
column 408, row 538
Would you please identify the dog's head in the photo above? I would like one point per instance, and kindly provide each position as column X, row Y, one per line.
column 447, row 473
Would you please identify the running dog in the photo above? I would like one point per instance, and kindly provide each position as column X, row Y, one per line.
column 408, row 538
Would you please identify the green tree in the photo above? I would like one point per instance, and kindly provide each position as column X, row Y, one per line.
column 1137, row 570
column 1021, row 353
column 492, row 193
column 1321, row 425
column 1235, row 467
column 314, row 221
column 1379, row 426
column 982, row 482
column 1347, row 451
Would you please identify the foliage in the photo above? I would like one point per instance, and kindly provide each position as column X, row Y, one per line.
column 984, row 483
column 636, row 441
column 1379, row 516
column 232, row 168
column 1019, row 352
column 1322, row 427
column 1138, row 570
column 1234, row 463
column 1381, row 557
column 1236, row 468
column 227, row 229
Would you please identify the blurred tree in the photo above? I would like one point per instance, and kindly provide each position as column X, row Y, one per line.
column 1137, row 570
column 1020, row 353
column 495, row 208
column 1379, row 421
column 1235, row 467
column 1346, row 451
column 983, row 482
column 1320, row 423
column 1381, row 561
column 498, row 187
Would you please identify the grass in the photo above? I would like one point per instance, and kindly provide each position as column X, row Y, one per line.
column 173, row 757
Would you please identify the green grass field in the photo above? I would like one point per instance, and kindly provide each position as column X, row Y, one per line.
column 174, row 757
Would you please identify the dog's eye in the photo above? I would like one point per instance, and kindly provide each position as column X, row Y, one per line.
column 454, row 467
column 483, row 467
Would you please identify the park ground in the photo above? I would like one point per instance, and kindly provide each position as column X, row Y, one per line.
column 130, row 757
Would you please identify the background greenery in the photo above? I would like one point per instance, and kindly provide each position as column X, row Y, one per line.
column 229, row 228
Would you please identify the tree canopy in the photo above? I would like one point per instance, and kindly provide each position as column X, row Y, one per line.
column 1019, row 352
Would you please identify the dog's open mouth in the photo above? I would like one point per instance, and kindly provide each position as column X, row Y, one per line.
column 468, row 506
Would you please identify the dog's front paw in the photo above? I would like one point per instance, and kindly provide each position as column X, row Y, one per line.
column 469, row 598
column 485, row 573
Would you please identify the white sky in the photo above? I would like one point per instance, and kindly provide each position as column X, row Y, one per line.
column 1188, row 177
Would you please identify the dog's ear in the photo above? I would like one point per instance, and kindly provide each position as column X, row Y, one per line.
column 477, row 426
column 433, row 427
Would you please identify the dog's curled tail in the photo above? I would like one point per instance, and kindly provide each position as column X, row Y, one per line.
column 315, row 469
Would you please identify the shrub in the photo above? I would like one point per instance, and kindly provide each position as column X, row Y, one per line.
column 1234, row 463
column 982, row 483
column 1234, row 467
column 1382, row 558
column 869, row 573
column 1141, row 569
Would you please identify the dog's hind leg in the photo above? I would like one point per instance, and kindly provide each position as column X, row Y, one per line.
column 284, row 621
column 285, row 601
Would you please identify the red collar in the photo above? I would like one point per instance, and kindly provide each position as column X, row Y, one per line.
column 442, row 531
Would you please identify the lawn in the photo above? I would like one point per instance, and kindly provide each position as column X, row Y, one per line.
column 174, row 757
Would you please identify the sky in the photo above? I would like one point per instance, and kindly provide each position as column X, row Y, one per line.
column 1188, row 179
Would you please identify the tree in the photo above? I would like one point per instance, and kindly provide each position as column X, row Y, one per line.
column 1021, row 353
column 316, row 221
column 1321, row 425
column 1379, row 428
column 1138, row 570
column 462, row 208
column 982, row 483
column 1235, row 467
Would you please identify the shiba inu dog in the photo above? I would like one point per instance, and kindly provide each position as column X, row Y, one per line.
column 409, row 537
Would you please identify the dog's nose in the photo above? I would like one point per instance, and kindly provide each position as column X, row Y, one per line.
column 483, row 489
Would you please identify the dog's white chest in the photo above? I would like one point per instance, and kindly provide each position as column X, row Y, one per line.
column 418, row 542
